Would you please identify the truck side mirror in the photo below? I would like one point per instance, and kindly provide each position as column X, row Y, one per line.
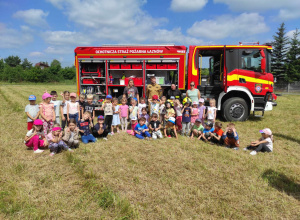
column 263, row 61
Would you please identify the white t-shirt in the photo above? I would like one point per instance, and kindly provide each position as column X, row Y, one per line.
column 140, row 106
column 73, row 107
column 211, row 112
column 269, row 143
column 65, row 106
column 134, row 111
column 33, row 110
column 178, row 110
column 57, row 105
column 154, row 108
column 30, row 133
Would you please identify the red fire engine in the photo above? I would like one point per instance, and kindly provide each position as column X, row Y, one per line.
column 238, row 77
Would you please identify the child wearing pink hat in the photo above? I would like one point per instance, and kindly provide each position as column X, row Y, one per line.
column 264, row 144
column 47, row 113
column 35, row 137
column 56, row 144
column 73, row 108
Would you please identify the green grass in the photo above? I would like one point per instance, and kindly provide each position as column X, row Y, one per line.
column 126, row 178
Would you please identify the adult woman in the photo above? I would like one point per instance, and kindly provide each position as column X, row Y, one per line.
column 193, row 93
column 131, row 91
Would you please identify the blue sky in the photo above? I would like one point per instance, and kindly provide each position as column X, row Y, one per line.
column 43, row 30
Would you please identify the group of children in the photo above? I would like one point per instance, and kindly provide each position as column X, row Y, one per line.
column 191, row 119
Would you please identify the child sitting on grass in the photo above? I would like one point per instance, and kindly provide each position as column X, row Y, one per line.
column 133, row 124
column 155, row 126
column 197, row 129
column 100, row 130
column 71, row 134
column 84, row 128
column 32, row 111
column 56, row 144
column 216, row 136
column 230, row 137
column 35, row 137
column 207, row 131
column 170, row 128
column 141, row 129
column 264, row 144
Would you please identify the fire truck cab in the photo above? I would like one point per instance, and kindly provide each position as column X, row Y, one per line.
column 238, row 77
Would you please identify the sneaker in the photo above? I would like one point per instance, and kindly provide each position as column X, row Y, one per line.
column 253, row 153
column 246, row 148
column 169, row 136
column 38, row 151
column 235, row 148
column 70, row 150
column 51, row 154
column 118, row 131
column 112, row 133
column 105, row 139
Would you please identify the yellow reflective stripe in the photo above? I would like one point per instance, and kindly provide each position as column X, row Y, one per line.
column 247, row 78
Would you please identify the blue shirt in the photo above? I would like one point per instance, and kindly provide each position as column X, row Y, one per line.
column 186, row 115
column 231, row 135
column 206, row 130
column 139, row 128
column 85, row 126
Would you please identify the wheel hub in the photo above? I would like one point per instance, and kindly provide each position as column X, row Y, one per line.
column 237, row 110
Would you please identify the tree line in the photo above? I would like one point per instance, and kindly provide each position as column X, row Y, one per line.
column 13, row 69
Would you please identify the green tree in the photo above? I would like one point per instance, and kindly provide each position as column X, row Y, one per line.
column 279, row 55
column 293, row 62
column 13, row 61
column 1, row 69
column 68, row 72
column 26, row 64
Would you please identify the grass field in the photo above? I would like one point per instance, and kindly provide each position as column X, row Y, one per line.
column 125, row 178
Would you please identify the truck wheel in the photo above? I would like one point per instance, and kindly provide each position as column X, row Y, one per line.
column 235, row 109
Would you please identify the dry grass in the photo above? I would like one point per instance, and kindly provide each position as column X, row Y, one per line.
column 125, row 178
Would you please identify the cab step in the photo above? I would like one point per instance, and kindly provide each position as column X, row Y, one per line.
column 259, row 109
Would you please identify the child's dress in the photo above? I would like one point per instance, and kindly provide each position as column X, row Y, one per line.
column 201, row 110
column 124, row 115
column 194, row 115
column 116, row 117
column 47, row 110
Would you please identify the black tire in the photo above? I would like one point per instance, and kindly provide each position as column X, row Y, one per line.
column 235, row 109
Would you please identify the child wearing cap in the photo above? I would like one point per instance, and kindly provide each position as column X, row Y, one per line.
column 84, row 128
column 201, row 110
column 154, row 104
column 230, row 137
column 170, row 128
column 207, row 131
column 47, row 113
column 195, row 113
column 35, row 137
column 264, row 144
column 216, row 136
column 133, row 124
column 32, row 111
column 73, row 108
column 71, row 134
column 124, row 114
column 197, row 129
column 108, row 112
column 100, row 130
column 57, row 105
column 56, row 144
column 141, row 129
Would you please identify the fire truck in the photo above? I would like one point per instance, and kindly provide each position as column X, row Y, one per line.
column 238, row 77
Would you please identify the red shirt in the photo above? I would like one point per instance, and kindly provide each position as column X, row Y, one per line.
column 219, row 132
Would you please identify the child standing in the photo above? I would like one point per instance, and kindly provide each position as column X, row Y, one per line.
column 133, row 124
column 35, row 137
column 230, row 137
column 195, row 113
column 211, row 111
column 207, row 131
column 216, row 136
column 47, row 113
column 162, row 110
column 116, row 116
column 186, row 118
column 178, row 108
column 145, row 115
column 197, row 129
column 73, row 108
column 71, row 134
column 56, row 144
column 155, row 127
column 81, row 102
column 170, row 128
column 100, row 130
column 141, row 105
column 141, row 129
column 201, row 110
column 84, row 128
column 63, row 109
column 32, row 111
column 57, row 104
column 108, row 112
column 89, row 106
column 154, row 105
column 133, row 109
column 124, row 114
column 264, row 144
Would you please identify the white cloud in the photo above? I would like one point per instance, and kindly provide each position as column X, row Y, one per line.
column 36, row 54
column 245, row 24
column 13, row 38
column 290, row 34
column 66, row 38
column 287, row 9
column 59, row 50
column 187, row 5
column 33, row 17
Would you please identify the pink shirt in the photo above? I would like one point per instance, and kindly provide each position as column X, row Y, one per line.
column 194, row 117
column 124, row 111
column 47, row 110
